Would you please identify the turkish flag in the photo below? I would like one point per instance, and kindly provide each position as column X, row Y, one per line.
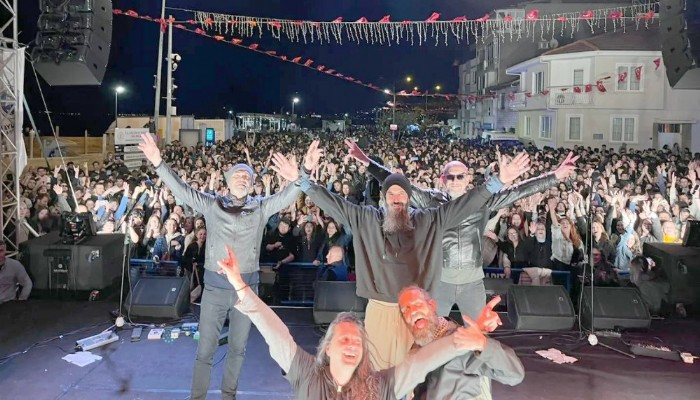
column 577, row 89
column 308, row 62
column 638, row 73
column 253, row 46
column 589, row 88
column 296, row 59
column 321, row 67
column 601, row 87
column 622, row 77
column 657, row 62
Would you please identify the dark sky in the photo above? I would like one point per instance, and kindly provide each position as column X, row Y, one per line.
column 214, row 77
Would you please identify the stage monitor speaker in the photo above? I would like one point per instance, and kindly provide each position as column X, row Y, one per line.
column 680, row 35
column 331, row 298
column 497, row 286
column 73, row 43
column 682, row 269
column 159, row 297
column 540, row 308
column 95, row 263
column 692, row 234
column 614, row 308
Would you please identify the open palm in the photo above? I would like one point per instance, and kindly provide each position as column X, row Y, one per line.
column 512, row 169
column 150, row 149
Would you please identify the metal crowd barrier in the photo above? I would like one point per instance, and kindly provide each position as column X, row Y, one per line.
column 518, row 271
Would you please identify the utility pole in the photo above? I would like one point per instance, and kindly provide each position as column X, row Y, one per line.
column 156, row 112
column 169, row 99
column 393, row 108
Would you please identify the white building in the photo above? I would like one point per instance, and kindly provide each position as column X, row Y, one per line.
column 560, row 105
column 485, row 74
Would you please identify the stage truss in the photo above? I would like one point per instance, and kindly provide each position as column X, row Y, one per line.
column 11, row 81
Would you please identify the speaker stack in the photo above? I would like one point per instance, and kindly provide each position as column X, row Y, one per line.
column 681, row 42
column 73, row 42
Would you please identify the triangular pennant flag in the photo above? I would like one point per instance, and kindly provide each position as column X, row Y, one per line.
column 236, row 41
column 385, row 19
column 657, row 62
column 433, row 17
column 283, row 58
column 321, row 67
column 296, row 59
column 361, row 20
column 253, row 46
column 308, row 62
column 532, row 15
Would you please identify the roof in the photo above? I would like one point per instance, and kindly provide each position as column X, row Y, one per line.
column 504, row 85
column 642, row 39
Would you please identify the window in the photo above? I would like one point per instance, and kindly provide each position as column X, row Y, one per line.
column 631, row 83
column 537, row 82
column 526, row 126
column 623, row 128
column 545, row 127
column 573, row 127
column 578, row 77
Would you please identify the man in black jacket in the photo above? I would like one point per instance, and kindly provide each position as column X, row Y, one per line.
column 462, row 279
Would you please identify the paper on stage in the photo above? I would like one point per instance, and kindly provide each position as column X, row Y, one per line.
column 82, row 358
column 556, row 356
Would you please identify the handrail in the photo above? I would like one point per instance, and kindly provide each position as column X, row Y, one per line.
column 150, row 261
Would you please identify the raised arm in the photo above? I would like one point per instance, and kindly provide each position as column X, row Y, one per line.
column 276, row 334
column 193, row 198
column 420, row 198
column 501, row 364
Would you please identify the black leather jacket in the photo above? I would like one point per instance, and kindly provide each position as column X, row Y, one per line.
column 462, row 245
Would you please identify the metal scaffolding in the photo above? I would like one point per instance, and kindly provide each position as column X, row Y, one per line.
column 11, row 81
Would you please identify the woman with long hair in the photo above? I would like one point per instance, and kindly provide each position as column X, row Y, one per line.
column 341, row 368
column 334, row 236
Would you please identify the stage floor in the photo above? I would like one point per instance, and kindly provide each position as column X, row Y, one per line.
column 160, row 370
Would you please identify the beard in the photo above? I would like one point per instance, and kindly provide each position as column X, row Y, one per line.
column 397, row 220
column 424, row 336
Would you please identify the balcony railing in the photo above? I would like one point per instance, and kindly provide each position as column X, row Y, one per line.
column 519, row 101
column 559, row 99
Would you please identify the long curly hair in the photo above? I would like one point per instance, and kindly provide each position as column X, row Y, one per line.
column 364, row 383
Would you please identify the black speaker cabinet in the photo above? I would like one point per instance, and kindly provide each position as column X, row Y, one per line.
column 540, row 308
column 679, row 30
column 94, row 264
column 614, row 308
column 159, row 297
column 331, row 298
column 681, row 266
column 497, row 287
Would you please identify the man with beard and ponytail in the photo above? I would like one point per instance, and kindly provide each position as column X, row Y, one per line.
column 237, row 220
column 396, row 246
column 462, row 278
column 467, row 376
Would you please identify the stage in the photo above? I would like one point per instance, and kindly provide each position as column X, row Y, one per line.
column 158, row 370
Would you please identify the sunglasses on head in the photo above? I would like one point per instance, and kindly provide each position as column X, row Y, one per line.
column 459, row 177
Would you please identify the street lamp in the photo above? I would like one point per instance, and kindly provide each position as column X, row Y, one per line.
column 117, row 91
column 438, row 87
column 294, row 101
column 409, row 79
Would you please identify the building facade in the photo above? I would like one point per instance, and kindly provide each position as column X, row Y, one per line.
column 607, row 90
column 484, row 85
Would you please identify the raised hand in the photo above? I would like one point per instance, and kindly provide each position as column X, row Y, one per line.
column 286, row 168
column 566, row 167
column 229, row 267
column 313, row 156
column 510, row 170
column 150, row 149
column 356, row 152
column 470, row 337
column 58, row 189
column 488, row 320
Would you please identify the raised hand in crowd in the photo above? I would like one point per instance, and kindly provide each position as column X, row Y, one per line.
column 510, row 170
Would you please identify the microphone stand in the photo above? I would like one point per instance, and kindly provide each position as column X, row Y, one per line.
column 125, row 258
column 592, row 337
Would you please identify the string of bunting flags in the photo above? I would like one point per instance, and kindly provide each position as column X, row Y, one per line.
column 298, row 60
column 433, row 29
column 313, row 65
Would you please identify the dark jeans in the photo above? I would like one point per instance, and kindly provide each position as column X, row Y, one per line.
column 216, row 305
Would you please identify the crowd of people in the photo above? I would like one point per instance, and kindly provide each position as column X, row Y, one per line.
column 519, row 208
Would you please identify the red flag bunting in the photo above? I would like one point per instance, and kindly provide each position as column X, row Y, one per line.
column 544, row 92
column 308, row 62
column 276, row 24
column 511, row 96
column 562, row 19
column 638, row 73
column 208, row 21
column 528, row 94
column 433, row 17
column 622, row 77
column 361, row 20
column 589, row 88
column 339, row 75
column 321, row 67
column 484, row 18
column 587, row 15
column 601, row 87
column 330, row 71
column 338, row 20
column 460, row 19
column 236, row 41
column 200, row 32
column 532, row 15
column 296, row 59
column 271, row 52
column 117, row 11
column 219, row 38
column 385, row 19
column 284, row 58
column 132, row 13
column 657, row 62
column 253, row 46
column 508, row 18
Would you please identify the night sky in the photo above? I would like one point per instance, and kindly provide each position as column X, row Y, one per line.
column 214, row 77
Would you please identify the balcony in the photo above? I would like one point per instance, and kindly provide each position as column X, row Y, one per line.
column 519, row 101
column 566, row 99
